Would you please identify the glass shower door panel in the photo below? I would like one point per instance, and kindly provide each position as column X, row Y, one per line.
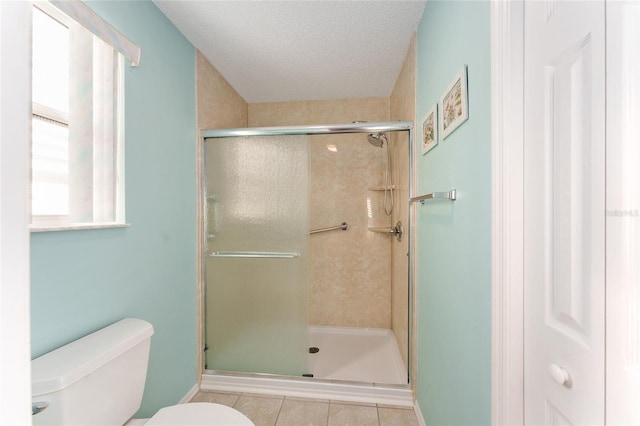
column 256, row 254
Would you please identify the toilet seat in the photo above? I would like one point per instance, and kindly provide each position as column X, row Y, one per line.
column 200, row 414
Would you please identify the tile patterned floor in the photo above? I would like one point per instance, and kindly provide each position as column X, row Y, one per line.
column 267, row 410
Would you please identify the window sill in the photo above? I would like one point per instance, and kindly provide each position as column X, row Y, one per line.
column 76, row 226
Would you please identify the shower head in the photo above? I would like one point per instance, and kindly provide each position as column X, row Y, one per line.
column 375, row 139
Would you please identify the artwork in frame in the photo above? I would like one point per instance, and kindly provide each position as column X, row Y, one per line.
column 454, row 104
column 430, row 129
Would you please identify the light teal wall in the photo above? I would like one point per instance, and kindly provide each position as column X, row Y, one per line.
column 454, row 240
column 84, row 280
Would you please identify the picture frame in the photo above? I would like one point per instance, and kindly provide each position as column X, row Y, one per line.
column 430, row 129
column 454, row 104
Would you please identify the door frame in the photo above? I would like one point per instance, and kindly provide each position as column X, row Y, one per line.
column 15, row 136
column 507, row 212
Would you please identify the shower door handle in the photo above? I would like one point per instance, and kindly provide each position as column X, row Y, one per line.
column 255, row 254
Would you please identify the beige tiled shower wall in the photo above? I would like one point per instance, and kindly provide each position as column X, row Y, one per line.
column 402, row 107
column 219, row 105
column 350, row 271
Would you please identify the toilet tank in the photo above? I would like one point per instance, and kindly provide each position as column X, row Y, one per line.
column 96, row 380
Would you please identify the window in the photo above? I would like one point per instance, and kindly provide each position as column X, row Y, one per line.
column 77, row 138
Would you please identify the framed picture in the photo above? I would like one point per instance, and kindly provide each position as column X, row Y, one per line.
column 430, row 129
column 454, row 104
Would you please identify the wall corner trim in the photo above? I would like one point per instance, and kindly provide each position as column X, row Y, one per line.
column 189, row 396
column 416, row 409
column 507, row 86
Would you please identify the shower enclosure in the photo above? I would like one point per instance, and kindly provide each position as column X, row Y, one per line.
column 298, row 238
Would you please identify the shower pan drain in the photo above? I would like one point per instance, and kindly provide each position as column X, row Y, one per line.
column 314, row 350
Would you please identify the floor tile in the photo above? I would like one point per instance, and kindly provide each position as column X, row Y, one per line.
column 352, row 415
column 363, row 404
column 397, row 416
column 303, row 413
column 228, row 399
column 263, row 411
column 306, row 399
column 270, row 410
column 262, row 395
column 399, row 407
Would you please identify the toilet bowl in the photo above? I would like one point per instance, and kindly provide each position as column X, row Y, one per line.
column 198, row 414
column 194, row 414
column 99, row 380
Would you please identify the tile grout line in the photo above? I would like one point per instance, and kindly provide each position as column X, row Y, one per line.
column 278, row 416
column 279, row 411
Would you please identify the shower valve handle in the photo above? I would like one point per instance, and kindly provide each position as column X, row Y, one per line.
column 397, row 231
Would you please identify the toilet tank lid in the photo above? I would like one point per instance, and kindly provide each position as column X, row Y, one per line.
column 66, row 365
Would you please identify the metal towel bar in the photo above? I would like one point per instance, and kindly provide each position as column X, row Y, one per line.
column 255, row 254
column 344, row 226
column 449, row 195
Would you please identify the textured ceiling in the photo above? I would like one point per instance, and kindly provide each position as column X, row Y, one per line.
column 272, row 51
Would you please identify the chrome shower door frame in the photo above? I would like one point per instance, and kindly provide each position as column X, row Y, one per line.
column 364, row 127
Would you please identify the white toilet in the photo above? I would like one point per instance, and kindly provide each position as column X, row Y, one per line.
column 99, row 380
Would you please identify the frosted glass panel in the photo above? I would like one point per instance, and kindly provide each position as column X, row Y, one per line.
column 257, row 204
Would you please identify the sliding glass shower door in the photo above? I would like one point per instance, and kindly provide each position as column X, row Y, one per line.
column 257, row 232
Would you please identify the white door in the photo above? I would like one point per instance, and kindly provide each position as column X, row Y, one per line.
column 564, row 205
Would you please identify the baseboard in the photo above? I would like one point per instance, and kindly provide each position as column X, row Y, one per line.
column 189, row 396
column 416, row 408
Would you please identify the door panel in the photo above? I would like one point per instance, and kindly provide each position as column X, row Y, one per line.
column 257, row 226
column 564, row 213
column 568, row 172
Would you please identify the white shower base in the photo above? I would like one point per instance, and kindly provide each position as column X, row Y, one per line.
column 356, row 354
column 353, row 364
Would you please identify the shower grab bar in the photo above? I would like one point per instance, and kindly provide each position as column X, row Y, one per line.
column 255, row 254
column 344, row 226
column 449, row 195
